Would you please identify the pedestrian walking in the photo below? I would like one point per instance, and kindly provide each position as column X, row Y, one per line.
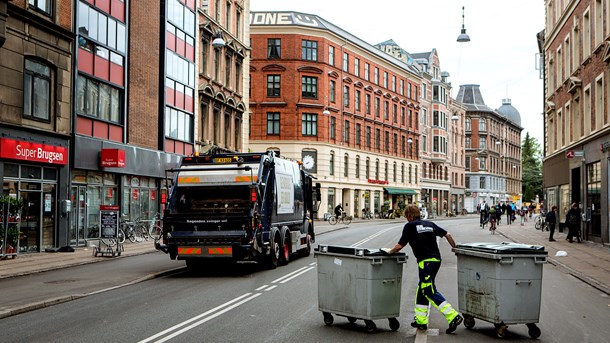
column 522, row 216
column 421, row 235
column 484, row 213
column 551, row 219
column 573, row 218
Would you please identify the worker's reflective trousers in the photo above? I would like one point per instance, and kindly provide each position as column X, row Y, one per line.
column 427, row 293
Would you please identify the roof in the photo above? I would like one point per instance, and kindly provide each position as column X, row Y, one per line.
column 509, row 112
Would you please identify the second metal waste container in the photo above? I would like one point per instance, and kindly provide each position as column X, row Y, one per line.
column 500, row 284
column 359, row 283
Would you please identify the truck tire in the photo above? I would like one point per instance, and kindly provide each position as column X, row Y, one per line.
column 286, row 247
column 307, row 250
column 275, row 248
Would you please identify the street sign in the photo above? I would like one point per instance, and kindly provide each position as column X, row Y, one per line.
column 575, row 153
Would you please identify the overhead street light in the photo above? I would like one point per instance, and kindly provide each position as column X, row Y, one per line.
column 463, row 37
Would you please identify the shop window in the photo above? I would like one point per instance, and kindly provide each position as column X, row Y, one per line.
column 43, row 6
column 11, row 170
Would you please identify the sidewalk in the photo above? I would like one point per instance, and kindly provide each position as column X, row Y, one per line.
column 587, row 261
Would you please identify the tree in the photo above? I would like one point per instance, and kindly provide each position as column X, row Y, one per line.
column 531, row 162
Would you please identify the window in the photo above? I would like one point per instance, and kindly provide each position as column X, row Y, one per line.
column 346, row 165
column 402, row 173
column 331, row 55
column 331, row 164
column 396, row 143
column 367, row 169
column 393, row 83
column 394, row 113
column 376, row 169
column 367, row 104
column 238, row 24
column 333, row 126
column 37, row 90
column 41, row 5
column 386, row 171
column 403, row 146
column 468, row 125
column 482, row 183
column 402, row 115
column 368, row 137
column 482, row 143
column 385, row 79
column 228, row 64
column 332, row 91
column 357, row 167
column 402, row 87
column 386, row 110
column 377, row 139
column 482, row 126
column 367, row 71
column 273, row 85
column 386, row 142
column 377, row 105
column 346, row 96
column 356, row 67
column 346, row 131
column 468, row 143
column 274, row 48
column 345, row 61
column 273, row 123
column 98, row 100
column 309, row 124
column 357, row 101
column 358, row 134
column 228, row 16
column 394, row 172
column 309, row 50
column 482, row 163
column 376, row 76
column 178, row 124
column 309, row 87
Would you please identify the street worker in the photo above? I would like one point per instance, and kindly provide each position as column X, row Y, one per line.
column 421, row 235
column 551, row 219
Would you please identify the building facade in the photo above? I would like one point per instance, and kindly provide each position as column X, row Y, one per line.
column 441, row 123
column 36, row 119
column 576, row 48
column 493, row 151
column 349, row 111
column 223, row 80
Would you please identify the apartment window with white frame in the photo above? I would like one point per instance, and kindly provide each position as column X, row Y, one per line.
column 345, row 62
column 599, row 102
column 367, row 71
column 560, row 65
column 331, row 55
column 346, row 165
column 376, row 76
column 401, row 86
column 575, row 48
column 560, row 128
column 357, row 67
column 393, row 83
column 587, row 110
column 586, row 34
column 598, row 28
column 568, row 119
column 385, row 79
column 567, row 55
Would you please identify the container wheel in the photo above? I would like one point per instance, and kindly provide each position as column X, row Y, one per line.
column 533, row 330
column 468, row 321
column 351, row 319
column 328, row 318
column 370, row 326
column 501, row 330
column 394, row 324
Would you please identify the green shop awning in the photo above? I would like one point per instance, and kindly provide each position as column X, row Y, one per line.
column 400, row 191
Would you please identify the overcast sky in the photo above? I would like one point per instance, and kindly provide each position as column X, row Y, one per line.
column 501, row 56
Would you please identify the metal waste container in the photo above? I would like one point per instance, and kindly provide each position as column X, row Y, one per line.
column 500, row 284
column 359, row 283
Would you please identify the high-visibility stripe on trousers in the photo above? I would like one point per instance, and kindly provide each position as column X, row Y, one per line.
column 427, row 293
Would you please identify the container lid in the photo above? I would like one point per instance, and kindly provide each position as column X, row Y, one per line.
column 353, row 251
column 503, row 248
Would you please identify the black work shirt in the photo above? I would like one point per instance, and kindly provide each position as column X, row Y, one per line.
column 421, row 235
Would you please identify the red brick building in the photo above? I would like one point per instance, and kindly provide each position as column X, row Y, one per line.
column 346, row 109
column 576, row 46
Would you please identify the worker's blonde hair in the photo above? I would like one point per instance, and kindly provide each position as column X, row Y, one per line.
column 412, row 213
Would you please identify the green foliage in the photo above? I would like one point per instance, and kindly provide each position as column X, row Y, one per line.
column 531, row 161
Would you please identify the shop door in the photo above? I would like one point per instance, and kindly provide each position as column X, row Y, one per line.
column 78, row 217
column 30, row 219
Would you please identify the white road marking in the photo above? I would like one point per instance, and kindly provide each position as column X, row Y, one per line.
column 261, row 288
column 213, row 313
column 288, row 275
column 270, row 288
column 295, row 275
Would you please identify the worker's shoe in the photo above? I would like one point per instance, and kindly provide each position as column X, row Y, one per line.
column 454, row 324
column 419, row 326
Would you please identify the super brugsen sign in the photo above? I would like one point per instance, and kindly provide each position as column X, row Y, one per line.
column 34, row 152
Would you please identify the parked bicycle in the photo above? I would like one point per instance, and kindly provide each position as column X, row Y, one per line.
column 541, row 223
column 344, row 218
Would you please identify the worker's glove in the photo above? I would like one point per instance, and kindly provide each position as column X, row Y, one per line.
column 386, row 250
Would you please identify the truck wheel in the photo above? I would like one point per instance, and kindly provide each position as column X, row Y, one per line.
column 284, row 257
column 307, row 250
column 274, row 251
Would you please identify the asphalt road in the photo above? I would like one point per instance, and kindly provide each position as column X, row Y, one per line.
column 247, row 303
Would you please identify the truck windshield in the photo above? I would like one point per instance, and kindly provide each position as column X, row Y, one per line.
column 212, row 200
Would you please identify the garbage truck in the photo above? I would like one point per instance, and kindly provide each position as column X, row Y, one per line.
column 239, row 207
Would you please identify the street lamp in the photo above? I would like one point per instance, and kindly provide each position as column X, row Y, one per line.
column 463, row 37
column 218, row 42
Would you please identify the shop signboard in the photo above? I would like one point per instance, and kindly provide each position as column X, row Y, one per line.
column 33, row 152
column 109, row 221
